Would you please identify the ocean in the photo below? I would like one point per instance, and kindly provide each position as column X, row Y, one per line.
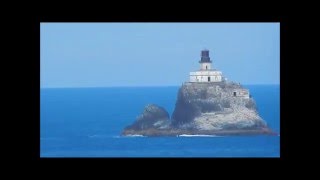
column 87, row 122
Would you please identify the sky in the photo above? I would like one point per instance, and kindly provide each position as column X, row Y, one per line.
column 155, row 54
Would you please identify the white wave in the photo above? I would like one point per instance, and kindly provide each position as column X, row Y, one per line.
column 135, row 135
column 197, row 135
column 132, row 135
column 97, row 136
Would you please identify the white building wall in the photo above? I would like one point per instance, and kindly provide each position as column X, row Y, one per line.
column 202, row 76
column 206, row 73
column 205, row 66
column 242, row 93
column 194, row 79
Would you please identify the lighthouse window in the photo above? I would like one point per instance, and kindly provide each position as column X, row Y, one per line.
column 206, row 67
column 209, row 79
column 234, row 93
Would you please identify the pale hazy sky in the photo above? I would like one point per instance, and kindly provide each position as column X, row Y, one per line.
column 147, row 54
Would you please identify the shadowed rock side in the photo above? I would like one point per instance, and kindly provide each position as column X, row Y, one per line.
column 152, row 116
column 202, row 108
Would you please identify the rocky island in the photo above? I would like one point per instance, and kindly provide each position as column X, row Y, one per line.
column 206, row 105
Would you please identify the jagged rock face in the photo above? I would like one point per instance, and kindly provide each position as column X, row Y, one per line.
column 202, row 108
column 211, row 106
column 185, row 110
column 152, row 116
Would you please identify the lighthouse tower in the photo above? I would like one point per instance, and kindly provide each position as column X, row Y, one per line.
column 205, row 62
column 206, row 74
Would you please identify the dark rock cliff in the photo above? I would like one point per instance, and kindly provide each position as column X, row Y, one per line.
column 202, row 108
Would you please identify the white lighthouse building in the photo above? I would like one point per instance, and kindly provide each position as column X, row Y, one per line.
column 206, row 74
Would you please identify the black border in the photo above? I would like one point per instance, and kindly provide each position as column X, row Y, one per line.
column 33, row 109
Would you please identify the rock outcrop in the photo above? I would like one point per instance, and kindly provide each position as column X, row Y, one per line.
column 202, row 108
column 153, row 116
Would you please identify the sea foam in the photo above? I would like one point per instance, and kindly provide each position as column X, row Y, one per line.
column 197, row 135
column 135, row 135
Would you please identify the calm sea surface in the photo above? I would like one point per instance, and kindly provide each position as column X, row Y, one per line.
column 87, row 122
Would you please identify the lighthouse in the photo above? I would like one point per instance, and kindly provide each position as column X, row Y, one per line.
column 206, row 74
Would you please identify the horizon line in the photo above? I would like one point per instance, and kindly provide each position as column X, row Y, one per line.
column 132, row 86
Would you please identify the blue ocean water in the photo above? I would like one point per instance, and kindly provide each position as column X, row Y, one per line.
column 87, row 122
